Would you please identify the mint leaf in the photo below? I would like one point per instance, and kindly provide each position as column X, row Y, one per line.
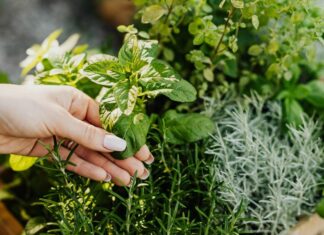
column 126, row 96
column 105, row 72
column 185, row 128
column 134, row 54
column 133, row 129
column 160, row 78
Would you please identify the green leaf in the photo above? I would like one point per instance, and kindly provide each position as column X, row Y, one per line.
column 238, row 4
column 35, row 225
column 160, row 78
column 134, row 53
column 293, row 112
column 316, row 93
column 255, row 50
column 105, row 72
column 320, row 208
column 153, row 13
column 21, row 163
column 109, row 115
column 208, row 74
column 185, row 128
column 126, row 96
column 255, row 21
column 133, row 129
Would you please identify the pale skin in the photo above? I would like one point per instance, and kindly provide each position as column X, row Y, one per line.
column 31, row 115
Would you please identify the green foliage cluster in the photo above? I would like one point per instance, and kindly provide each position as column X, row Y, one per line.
column 268, row 46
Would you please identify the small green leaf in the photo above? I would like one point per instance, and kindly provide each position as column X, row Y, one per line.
column 255, row 21
column 21, row 163
column 185, row 128
column 293, row 112
column 255, row 50
column 208, row 74
column 133, row 129
column 153, row 13
column 238, row 4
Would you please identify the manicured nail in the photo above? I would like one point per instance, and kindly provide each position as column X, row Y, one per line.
column 145, row 175
column 108, row 178
column 114, row 143
column 150, row 160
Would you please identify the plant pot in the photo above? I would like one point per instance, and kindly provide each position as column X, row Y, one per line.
column 9, row 225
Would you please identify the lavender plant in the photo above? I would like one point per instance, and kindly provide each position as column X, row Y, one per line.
column 276, row 175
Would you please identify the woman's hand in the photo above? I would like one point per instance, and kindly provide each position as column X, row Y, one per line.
column 29, row 114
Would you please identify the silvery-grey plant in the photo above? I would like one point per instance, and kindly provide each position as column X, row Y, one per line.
column 274, row 174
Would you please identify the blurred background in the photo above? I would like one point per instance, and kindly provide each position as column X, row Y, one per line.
column 26, row 22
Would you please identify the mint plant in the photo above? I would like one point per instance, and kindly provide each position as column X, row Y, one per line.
column 132, row 78
column 127, row 83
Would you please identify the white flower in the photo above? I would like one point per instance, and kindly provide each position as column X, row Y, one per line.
column 49, row 48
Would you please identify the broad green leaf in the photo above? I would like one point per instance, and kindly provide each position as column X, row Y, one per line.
column 133, row 129
column 126, row 96
column 109, row 111
column 109, row 117
column 300, row 92
column 153, row 13
column 35, row 225
column 293, row 112
column 316, row 93
column 105, row 73
column 185, row 128
column 134, row 53
column 160, row 78
column 21, row 163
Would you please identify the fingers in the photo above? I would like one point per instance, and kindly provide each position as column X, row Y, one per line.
column 80, row 166
column 131, row 165
column 119, row 175
column 145, row 155
column 84, row 108
column 89, row 136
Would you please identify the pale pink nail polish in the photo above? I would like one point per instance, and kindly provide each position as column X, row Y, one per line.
column 150, row 160
column 145, row 175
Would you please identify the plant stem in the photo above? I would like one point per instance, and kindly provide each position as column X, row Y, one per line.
column 215, row 52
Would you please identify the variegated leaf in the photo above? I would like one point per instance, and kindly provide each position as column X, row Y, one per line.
column 160, row 78
column 135, row 53
column 109, row 115
column 126, row 96
column 105, row 72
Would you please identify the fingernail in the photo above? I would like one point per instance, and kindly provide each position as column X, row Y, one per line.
column 150, row 160
column 108, row 178
column 145, row 175
column 114, row 143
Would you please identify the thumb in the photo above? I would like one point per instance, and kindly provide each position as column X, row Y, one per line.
column 90, row 136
